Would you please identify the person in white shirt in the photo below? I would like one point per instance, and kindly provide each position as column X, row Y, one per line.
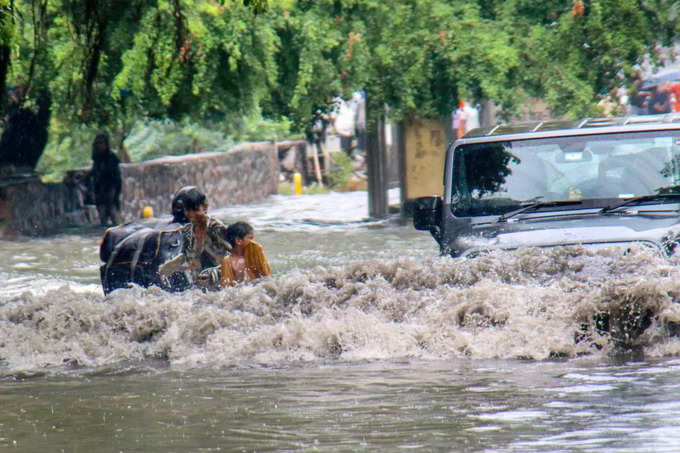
column 343, row 120
column 469, row 119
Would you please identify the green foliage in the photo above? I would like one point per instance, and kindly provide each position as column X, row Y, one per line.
column 568, row 59
column 257, row 128
column 7, row 29
column 419, row 58
column 110, row 63
column 167, row 138
column 157, row 138
column 341, row 172
column 216, row 64
column 259, row 69
column 66, row 150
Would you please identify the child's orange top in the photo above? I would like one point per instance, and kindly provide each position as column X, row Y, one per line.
column 256, row 265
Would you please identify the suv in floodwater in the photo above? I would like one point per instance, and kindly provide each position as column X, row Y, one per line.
column 594, row 182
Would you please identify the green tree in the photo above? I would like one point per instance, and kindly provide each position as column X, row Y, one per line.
column 573, row 51
column 110, row 63
column 419, row 58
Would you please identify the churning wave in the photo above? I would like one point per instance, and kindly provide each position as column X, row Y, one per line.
column 530, row 304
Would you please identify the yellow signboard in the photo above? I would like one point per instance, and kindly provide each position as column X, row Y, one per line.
column 425, row 150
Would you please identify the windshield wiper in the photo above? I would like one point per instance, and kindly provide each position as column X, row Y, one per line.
column 536, row 205
column 640, row 199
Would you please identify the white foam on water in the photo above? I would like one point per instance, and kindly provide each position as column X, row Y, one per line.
column 513, row 416
column 531, row 304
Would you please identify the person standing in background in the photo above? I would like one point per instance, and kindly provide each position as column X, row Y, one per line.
column 455, row 120
column 316, row 132
column 675, row 91
column 105, row 180
column 343, row 120
column 660, row 101
column 469, row 119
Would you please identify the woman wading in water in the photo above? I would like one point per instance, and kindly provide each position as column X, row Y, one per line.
column 203, row 243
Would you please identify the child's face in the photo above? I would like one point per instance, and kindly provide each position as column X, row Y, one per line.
column 245, row 240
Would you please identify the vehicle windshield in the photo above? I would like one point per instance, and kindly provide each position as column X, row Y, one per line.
column 496, row 178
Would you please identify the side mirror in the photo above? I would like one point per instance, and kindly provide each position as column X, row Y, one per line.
column 427, row 213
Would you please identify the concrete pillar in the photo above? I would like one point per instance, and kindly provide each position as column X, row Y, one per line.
column 376, row 169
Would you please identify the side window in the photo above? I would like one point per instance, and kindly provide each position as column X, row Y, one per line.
column 487, row 168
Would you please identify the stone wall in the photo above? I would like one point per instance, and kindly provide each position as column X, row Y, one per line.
column 30, row 207
column 245, row 174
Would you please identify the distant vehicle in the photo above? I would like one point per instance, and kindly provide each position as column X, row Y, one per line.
column 594, row 182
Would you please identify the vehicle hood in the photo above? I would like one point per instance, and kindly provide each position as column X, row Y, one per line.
column 594, row 230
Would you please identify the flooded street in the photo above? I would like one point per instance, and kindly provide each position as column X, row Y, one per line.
column 364, row 339
column 381, row 406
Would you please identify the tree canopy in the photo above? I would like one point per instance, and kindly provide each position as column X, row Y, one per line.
column 108, row 63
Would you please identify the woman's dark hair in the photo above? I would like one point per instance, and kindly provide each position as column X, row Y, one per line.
column 188, row 198
column 95, row 151
column 237, row 230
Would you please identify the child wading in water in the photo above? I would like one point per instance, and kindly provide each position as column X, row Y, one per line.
column 247, row 261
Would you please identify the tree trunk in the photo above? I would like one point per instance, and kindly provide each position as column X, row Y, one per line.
column 96, row 24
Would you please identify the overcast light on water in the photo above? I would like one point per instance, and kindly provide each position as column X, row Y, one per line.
column 364, row 339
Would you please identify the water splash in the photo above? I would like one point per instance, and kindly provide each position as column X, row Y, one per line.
column 531, row 304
